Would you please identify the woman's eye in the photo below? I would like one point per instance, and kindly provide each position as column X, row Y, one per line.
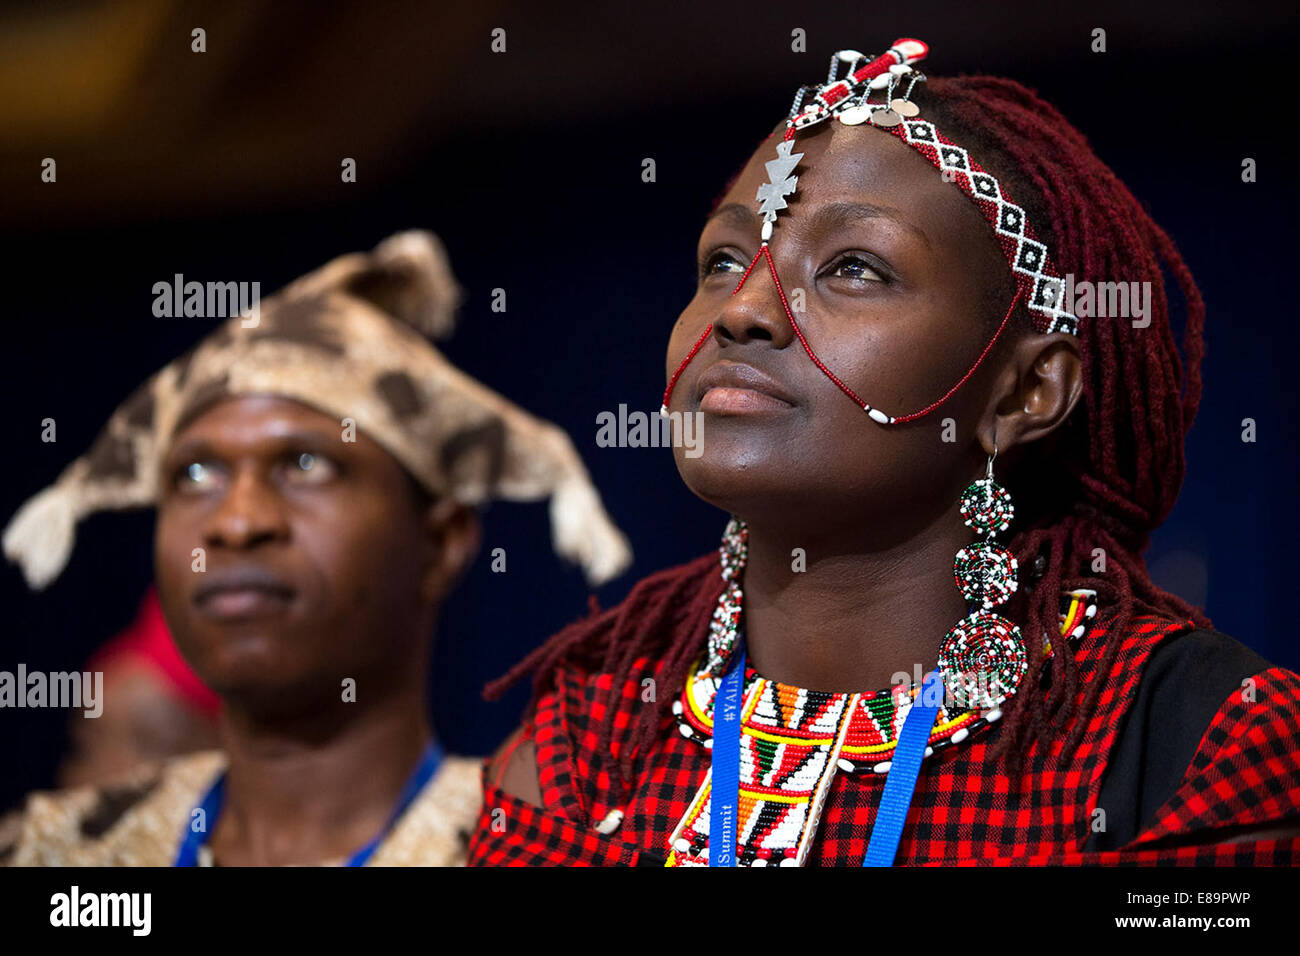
column 309, row 469
column 197, row 477
column 720, row 263
column 855, row 267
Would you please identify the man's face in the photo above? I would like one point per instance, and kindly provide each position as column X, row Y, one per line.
column 314, row 553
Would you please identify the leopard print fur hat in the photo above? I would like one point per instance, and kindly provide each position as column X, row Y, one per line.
column 350, row 340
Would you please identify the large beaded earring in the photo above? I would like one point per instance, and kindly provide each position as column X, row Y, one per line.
column 725, row 626
column 983, row 657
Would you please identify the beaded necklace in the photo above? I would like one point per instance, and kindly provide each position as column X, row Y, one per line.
column 794, row 741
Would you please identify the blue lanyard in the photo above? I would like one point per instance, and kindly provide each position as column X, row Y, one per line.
column 724, row 788
column 210, row 805
column 909, row 750
column 899, row 785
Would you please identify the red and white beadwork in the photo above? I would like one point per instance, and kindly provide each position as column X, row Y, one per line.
column 985, row 574
column 849, row 98
column 725, row 625
column 789, row 742
column 982, row 660
column 1042, row 289
column 983, row 657
column 986, row 507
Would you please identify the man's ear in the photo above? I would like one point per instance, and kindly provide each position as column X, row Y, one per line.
column 1040, row 383
column 455, row 534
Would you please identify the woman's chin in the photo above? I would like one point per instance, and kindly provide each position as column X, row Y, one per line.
column 737, row 485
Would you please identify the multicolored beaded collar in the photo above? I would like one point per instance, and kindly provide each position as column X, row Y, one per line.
column 795, row 740
column 872, row 738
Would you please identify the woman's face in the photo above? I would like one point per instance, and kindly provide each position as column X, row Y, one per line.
column 895, row 269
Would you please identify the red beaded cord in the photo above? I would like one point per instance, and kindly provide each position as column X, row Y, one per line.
column 979, row 361
column 765, row 251
column 771, row 266
column 672, row 382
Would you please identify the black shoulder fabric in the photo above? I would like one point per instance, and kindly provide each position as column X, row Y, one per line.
column 1186, row 679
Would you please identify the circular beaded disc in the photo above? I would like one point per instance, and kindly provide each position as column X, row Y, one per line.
column 982, row 660
column 987, row 507
column 985, row 573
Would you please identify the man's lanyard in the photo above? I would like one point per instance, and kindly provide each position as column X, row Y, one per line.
column 724, row 795
column 210, row 807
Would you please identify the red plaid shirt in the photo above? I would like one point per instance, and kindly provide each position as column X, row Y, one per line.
column 1245, row 774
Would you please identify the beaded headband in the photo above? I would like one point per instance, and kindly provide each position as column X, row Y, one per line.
column 848, row 98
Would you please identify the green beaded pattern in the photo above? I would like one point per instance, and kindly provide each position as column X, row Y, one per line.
column 985, row 574
column 986, row 507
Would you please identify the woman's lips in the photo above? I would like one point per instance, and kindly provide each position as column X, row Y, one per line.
column 733, row 388
column 739, row 401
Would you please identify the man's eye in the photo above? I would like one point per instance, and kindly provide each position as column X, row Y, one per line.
column 855, row 267
column 719, row 263
column 196, row 477
column 309, row 469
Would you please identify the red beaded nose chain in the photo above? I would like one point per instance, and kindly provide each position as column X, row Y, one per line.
column 875, row 413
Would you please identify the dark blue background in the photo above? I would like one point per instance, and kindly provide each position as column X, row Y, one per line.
column 597, row 265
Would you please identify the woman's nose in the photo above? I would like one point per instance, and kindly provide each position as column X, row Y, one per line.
column 757, row 309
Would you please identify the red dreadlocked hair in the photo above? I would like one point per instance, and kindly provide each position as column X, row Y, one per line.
column 1104, row 480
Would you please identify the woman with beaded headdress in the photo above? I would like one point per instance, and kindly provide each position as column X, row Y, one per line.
column 929, row 635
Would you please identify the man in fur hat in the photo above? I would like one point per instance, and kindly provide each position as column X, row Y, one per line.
column 314, row 474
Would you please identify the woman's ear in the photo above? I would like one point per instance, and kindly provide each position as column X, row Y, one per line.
column 455, row 534
column 1039, row 386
